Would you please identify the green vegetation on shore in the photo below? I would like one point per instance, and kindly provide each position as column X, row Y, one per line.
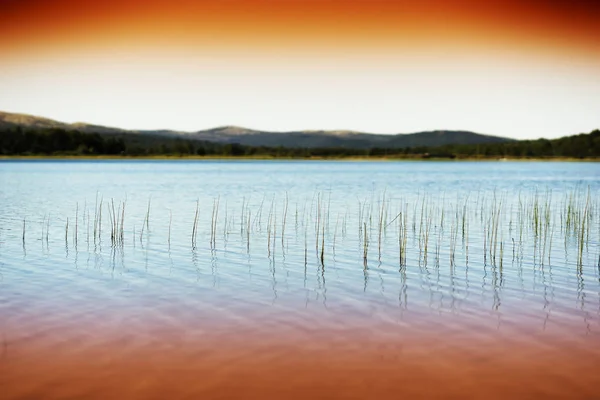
column 44, row 142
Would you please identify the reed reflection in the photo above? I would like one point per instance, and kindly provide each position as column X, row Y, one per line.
column 476, row 253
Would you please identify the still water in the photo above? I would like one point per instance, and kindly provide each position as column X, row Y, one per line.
column 284, row 278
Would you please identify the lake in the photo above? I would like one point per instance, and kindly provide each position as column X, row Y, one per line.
column 147, row 279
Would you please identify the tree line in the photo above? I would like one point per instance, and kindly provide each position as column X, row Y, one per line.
column 61, row 142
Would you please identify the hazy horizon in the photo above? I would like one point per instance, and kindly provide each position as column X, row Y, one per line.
column 240, row 127
column 508, row 68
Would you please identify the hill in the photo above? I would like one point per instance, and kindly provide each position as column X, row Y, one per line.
column 249, row 137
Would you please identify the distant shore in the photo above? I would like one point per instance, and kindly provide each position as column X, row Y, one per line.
column 312, row 158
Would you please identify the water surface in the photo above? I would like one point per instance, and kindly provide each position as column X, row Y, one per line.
column 279, row 278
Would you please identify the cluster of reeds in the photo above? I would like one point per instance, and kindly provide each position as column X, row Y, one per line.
column 117, row 221
column 423, row 222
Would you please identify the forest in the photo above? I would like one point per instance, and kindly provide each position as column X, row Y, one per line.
column 21, row 141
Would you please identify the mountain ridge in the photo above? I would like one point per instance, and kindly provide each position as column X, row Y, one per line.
column 230, row 134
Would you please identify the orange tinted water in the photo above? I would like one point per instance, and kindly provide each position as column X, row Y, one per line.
column 388, row 361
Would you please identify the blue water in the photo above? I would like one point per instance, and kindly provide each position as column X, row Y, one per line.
column 282, row 244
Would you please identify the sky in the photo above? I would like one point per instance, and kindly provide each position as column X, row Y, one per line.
column 520, row 69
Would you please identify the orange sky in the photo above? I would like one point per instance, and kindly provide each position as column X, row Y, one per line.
column 66, row 25
column 81, row 40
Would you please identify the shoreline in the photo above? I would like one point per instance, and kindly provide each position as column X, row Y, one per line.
column 270, row 158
